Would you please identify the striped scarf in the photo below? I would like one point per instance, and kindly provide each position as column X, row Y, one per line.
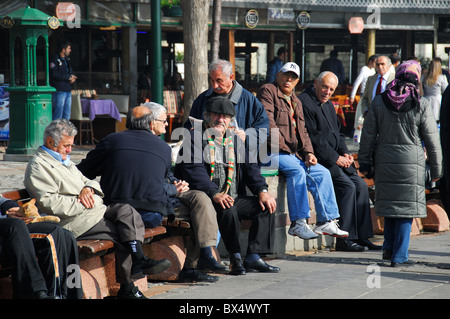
column 228, row 143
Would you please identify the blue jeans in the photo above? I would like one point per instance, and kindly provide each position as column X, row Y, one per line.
column 62, row 103
column 299, row 180
column 397, row 232
column 150, row 219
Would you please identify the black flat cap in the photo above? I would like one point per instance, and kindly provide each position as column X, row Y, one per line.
column 220, row 105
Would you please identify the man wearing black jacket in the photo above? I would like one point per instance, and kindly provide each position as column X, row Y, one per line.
column 62, row 78
column 329, row 146
column 223, row 176
column 135, row 168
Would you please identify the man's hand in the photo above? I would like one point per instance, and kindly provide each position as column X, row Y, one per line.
column 14, row 213
column 240, row 133
column 86, row 197
column 182, row 186
column 72, row 79
column 266, row 200
column 310, row 159
column 224, row 200
column 345, row 160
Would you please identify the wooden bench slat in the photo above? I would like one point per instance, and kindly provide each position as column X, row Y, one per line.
column 87, row 246
column 152, row 232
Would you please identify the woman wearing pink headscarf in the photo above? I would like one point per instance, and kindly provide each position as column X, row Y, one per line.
column 398, row 124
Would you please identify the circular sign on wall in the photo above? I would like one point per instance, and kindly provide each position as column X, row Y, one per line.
column 356, row 25
column 53, row 23
column 65, row 10
column 303, row 20
column 251, row 18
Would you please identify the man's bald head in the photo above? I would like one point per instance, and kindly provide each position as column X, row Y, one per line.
column 140, row 111
column 139, row 117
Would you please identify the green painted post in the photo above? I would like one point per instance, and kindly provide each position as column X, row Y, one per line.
column 157, row 68
column 30, row 105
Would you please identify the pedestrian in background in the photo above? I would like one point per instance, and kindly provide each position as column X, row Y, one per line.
column 62, row 78
column 396, row 125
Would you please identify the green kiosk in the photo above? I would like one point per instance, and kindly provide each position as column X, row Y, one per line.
column 30, row 92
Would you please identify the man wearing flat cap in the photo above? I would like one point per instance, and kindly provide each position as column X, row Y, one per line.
column 223, row 176
column 296, row 159
column 252, row 124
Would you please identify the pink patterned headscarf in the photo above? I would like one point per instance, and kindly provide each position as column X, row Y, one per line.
column 405, row 85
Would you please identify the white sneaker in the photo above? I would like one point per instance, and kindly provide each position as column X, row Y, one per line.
column 330, row 228
column 301, row 229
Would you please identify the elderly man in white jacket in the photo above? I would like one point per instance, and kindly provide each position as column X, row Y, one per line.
column 60, row 189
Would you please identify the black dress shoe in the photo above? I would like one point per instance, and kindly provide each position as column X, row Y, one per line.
column 259, row 265
column 236, row 267
column 193, row 275
column 43, row 295
column 367, row 243
column 407, row 263
column 134, row 293
column 152, row 267
column 211, row 265
column 348, row 245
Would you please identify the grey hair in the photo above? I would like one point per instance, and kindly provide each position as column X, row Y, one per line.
column 224, row 65
column 389, row 61
column 59, row 128
column 143, row 122
column 325, row 73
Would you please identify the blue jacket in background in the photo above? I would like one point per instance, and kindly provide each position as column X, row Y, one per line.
column 60, row 72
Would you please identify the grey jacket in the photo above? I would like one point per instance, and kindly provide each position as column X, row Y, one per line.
column 399, row 161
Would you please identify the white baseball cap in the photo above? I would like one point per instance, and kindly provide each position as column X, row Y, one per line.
column 291, row 67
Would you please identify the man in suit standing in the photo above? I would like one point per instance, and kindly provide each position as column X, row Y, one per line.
column 376, row 83
column 351, row 191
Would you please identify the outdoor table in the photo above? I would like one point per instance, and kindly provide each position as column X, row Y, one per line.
column 100, row 107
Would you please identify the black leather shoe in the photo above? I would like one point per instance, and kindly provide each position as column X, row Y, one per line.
column 259, row 266
column 43, row 295
column 407, row 263
column 153, row 267
column 193, row 275
column 134, row 293
column 367, row 243
column 211, row 265
column 348, row 245
column 236, row 267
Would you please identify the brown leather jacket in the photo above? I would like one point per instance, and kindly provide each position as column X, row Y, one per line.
column 278, row 110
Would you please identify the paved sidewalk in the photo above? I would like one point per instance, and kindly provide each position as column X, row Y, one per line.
column 308, row 275
column 333, row 275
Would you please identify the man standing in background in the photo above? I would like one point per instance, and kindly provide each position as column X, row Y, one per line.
column 62, row 78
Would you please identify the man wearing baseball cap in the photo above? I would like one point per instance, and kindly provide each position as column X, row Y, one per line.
column 296, row 158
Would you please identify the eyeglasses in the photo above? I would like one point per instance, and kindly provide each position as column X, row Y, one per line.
column 163, row 121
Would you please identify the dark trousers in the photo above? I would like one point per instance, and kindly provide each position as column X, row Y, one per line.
column 262, row 229
column 352, row 197
column 120, row 224
column 39, row 255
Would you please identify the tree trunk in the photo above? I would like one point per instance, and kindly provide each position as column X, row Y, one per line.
column 215, row 41
column 195, row 36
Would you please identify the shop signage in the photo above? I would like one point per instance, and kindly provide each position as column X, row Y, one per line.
column 251, row 18
column 303, row 20
column 53, row 23
column 356, row 25
column 7, row 22
column 65, row 11
column 281, row 14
